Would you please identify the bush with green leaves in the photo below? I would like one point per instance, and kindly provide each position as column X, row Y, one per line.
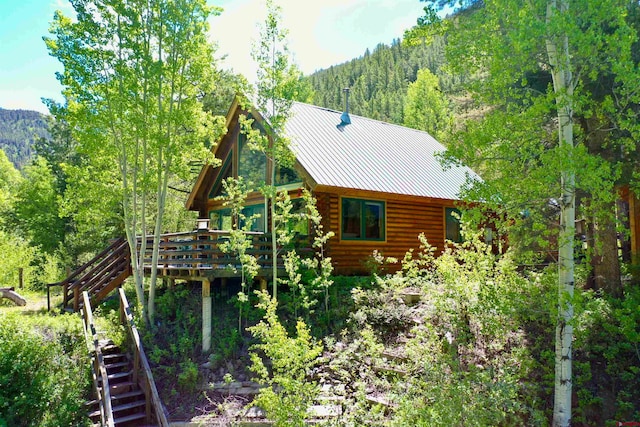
column 607, row 357
column 468, row 360
column 44, row 367
column 16, row 253
column 288, row 392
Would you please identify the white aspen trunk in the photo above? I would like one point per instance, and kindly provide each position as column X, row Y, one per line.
column 274, row 246
column 559, row 59
column 162, row 197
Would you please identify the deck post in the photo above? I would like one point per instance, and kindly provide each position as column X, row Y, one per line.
column 263, row 284
column 206, row 315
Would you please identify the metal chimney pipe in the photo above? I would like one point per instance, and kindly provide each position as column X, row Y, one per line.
column 344, row 118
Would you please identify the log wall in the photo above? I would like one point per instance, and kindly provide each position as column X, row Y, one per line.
column 406, row 218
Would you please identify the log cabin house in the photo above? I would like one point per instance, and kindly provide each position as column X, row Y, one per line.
column 377, row 185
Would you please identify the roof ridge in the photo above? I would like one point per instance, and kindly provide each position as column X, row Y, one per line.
column 369, row 119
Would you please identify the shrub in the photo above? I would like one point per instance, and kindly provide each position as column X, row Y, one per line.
column 43, row 372
column 288, row 392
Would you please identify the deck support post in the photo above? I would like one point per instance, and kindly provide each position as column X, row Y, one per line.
column 206, row 315
column 263, row 284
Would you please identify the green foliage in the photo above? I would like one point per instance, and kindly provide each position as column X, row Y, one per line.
column 15, row 254
column 470, row 356
column 426, row 107
column 43, row 371
column 19, row 129
column 288, row 392
column 473, row 347
column 10, row 178
column 175, row 342
column 37, row 211
column 378, row 80
column 188, row 376
column 381, row 309
column 607, row 354
column 133, row 77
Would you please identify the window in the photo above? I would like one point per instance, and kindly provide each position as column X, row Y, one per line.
column 452, row 224
column 254, row 214
column 220, row 219
column 286, row 175
column 300, row 224
column 224, row 173
column 362, row 220
column 252, row 164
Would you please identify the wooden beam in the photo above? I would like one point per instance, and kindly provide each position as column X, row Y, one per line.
column 206, row 315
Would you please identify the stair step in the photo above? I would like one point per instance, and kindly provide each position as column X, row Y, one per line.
column 119, row 375
column 127, row 406
column 113, row 356
column 134, row 393
column 109, row 348
column 116, row 365
column 120, row 388
column 132, row 417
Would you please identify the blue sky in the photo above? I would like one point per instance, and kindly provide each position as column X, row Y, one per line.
column 321, row 33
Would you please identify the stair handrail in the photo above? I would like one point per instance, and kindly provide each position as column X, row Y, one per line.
column 80, row 270
column 140, row 358
column 93, row 345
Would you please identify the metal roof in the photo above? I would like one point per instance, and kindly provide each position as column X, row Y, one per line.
column 371, row 155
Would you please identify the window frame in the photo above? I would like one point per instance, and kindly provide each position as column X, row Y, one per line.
column 447, row 214
column 362, row 205
column 241, row 144
column 225, row 212
column 216, row 188
column 259, row 222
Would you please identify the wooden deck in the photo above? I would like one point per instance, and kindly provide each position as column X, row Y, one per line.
column 199, row 254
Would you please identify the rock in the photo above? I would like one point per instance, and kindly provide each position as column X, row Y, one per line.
column 255, row 412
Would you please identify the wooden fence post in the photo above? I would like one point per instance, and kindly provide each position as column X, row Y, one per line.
column 20, row 278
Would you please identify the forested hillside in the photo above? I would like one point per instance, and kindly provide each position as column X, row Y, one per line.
column 379, row 79
column 19, row 129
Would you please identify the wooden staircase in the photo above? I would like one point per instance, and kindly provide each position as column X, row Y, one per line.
column 128, row 402
column 126, row 393
column 98, row 277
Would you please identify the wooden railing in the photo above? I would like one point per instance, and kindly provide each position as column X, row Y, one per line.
column 201, row 250
column 194, row 253
column 100, row 378
column 94, row 274
column 141, row 370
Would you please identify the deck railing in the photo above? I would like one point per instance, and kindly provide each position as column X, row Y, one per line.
column 92, row 274
column 192, row 253
column 202, row 250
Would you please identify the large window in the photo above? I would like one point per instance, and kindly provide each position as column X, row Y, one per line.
column 362, row 219
column 286, row 175
column 224, row 173
column 220, row 219
column 452, row 224
column 255, row 215
column 252, row 164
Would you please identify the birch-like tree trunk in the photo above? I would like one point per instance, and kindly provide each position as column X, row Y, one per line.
column 560, row 61
column 133, row 75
